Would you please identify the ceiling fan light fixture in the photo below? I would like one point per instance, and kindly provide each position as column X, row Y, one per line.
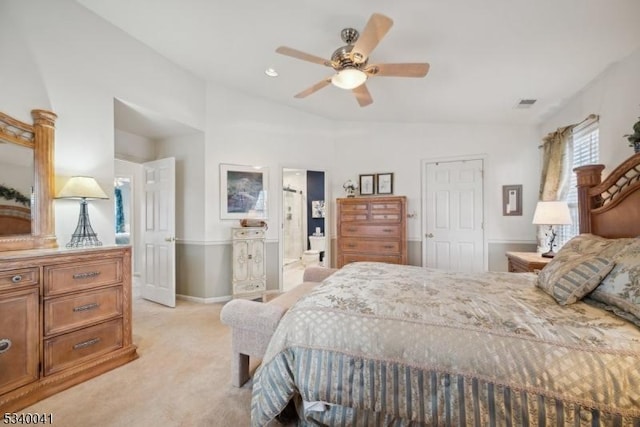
column 349, row 78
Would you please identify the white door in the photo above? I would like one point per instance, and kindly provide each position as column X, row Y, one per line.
column 454, row 235
column 159, row 232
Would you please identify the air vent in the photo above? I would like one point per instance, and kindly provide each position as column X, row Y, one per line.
column 526, row 103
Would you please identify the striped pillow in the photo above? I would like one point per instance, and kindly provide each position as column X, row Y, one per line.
column 578, row 277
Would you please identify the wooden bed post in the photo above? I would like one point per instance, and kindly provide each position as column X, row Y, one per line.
column 587, row 177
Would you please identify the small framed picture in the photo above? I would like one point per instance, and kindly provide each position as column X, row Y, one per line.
column 317, row 209
column 367, row 184
column 385, row 183
column 512, row 200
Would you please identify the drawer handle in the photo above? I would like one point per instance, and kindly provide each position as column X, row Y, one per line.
column 86, row 344
column 388, row 246
column 351, row 245
column 86, row 275
column 351, row 229
column 17, row 278
column 5, row 345
column 388, row 230
column 86, row 307
column 249, row 256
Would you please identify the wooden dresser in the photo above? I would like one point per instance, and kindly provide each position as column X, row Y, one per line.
column 65, row 317
column 372, row 229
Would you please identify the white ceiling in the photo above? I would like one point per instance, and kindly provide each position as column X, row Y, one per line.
column 485, row 55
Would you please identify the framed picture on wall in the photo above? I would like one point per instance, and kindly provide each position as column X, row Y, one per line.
column 385, row 183
column 243, row 191
column 317, row 209
column 367, row 184
column 512, row 200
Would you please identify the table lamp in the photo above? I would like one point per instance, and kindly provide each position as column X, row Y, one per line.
column 551, row 213
column 83, row 188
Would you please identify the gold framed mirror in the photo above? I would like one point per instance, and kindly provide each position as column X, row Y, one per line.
column 38, row 137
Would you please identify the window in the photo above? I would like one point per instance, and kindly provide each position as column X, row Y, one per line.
column 585, row 152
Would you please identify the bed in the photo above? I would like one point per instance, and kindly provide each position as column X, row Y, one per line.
column 380, row 344
column 14, row 220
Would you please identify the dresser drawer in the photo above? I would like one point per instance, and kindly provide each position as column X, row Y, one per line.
column 78, row 276
column 22, row 277
column 244, row 287
column 70, row 312
column 348, row 258
column 248, row 233
column 371, row 230
column 76, row 347
column 382, row 247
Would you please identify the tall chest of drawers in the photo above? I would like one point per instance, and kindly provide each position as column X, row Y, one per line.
column 65, row 317
column 372, row 229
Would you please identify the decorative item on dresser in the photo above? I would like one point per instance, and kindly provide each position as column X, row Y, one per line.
column 249, row 277
column 525, row 262
column 66, row 317
column 372, row 229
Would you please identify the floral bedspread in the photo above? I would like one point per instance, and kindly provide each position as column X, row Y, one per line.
column 377, row 343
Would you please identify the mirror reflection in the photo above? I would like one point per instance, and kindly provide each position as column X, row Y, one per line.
column 16, row 188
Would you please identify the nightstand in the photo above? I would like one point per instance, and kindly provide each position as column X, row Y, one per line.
column 524, row 262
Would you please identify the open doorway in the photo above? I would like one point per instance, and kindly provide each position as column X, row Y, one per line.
column 304, row 224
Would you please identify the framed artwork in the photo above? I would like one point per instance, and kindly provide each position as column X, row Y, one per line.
column 512, row 200
column 385, row 183
column 367, row 184
column 243, row 192
column 317, row 209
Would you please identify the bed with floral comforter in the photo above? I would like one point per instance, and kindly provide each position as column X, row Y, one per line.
column 382, row 344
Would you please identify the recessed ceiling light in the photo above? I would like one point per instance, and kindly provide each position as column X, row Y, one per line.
column 271, row 72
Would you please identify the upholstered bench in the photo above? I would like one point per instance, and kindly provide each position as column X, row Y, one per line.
column 253, row 323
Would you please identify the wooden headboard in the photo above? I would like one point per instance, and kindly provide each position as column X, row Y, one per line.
column 610, row 208
column 14, row 220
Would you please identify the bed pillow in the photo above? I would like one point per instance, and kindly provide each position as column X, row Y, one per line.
column 620, row 289
column 574, row 278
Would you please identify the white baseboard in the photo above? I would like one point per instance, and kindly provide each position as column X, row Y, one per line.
column 213, row 300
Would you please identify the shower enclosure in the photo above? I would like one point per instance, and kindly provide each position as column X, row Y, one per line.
column 294, row 224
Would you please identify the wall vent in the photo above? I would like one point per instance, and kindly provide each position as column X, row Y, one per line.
column 526, row 103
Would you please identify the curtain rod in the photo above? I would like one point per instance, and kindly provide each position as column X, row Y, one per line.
column 573, row 126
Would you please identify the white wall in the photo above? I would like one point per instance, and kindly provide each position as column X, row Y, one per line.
column 615, row 96
column 133, row 148
column 511, row 158
column 68, row 60
column 188, row 150
column 248, row 131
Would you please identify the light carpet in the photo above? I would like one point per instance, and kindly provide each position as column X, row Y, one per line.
column 182, row 377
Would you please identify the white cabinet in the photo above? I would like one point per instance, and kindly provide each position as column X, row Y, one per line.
column 249, row 264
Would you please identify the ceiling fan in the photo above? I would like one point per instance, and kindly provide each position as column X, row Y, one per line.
column 351, row 62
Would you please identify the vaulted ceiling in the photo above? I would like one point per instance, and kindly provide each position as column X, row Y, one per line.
column 485, row 56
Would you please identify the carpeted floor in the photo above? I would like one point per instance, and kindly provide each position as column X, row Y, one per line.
column 181, row 378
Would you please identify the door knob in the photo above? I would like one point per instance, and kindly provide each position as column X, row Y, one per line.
column 428, row 236
column 169, row 239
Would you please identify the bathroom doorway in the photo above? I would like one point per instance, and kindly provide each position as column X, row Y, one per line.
column 303, row 223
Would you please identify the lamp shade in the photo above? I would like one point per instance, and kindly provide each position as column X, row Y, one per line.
column 349, row 78
column 81, row 187
column 552, row 213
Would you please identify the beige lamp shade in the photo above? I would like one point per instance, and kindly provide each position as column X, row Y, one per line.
column 552, row 213
column 81, row 187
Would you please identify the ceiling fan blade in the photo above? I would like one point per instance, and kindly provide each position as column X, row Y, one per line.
column 376, row 28
column 316, row 87
column 362, row 95
column 399, row 70
column 302, row 55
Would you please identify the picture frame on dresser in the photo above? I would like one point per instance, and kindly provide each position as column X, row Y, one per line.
column 384, row 183
column 243, row 191
column 367, row 184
